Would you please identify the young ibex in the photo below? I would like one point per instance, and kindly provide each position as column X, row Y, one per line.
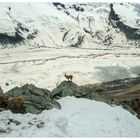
column 69, row 77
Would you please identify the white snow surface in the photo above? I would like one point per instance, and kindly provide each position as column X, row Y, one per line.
column 45, row 67
column 53, row 24
column 77, row 118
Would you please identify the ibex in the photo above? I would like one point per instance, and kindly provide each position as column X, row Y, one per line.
column 69, row 77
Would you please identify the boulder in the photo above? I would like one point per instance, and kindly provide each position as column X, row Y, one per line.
column 34, row 99
column 93, row 92
column 68, row 88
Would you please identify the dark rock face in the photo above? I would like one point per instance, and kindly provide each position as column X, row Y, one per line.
column 78, row 8
column 98, row 93
column 16, row 122
column 112, row 14
column 134, row 104
column 68, row 88
column 35, row 99
column 61, row 6
column 5, row 39
column 130, row 32
column 57, row 4
column 120, row 84
column 79, row 42
column 18, row 36
column 125, row 92
column 27, row 90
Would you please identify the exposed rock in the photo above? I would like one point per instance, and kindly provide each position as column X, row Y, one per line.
column 58, row 5
column 17, row 122
column 34, row 99
column 122, row 92
column 5, row 39
column 14, row 121
column 7, row 84
column 120, row 84
column 20, row 35
column 68, row 88
column 112, row 14
column 27, row 90
column 2, row 109
column 3, row 130
column 98, row 93
column 94, row 92
column 40, row 125
column 79, row 42
column 78, row 8
column 130, row 32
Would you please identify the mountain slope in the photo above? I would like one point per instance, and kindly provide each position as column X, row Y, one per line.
column 69, row 24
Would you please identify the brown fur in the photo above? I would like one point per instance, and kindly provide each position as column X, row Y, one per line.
column 69, row 77
column 16, row 103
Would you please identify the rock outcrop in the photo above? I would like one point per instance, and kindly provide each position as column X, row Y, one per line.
column 93, row 92
column 28, row 98
column 68, row 88
column 35, row 99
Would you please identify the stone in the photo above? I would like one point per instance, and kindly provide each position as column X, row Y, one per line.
column 34, row 99
column 17, row 122
column 40, row 125
column 68, row 88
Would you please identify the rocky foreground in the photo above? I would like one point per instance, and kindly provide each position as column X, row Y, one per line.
column 78, row 117
column 31, row 99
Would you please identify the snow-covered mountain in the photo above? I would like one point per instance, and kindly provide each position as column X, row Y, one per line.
column 69, row 24
column 43, row 41
column 95, row 42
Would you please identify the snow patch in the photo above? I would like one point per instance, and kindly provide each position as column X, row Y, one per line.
column 77, row 118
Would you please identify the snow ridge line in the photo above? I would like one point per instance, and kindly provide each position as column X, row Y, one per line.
column 59, row 57
column 80, row 56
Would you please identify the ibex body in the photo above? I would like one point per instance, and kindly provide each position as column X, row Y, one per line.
column 69, row 77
